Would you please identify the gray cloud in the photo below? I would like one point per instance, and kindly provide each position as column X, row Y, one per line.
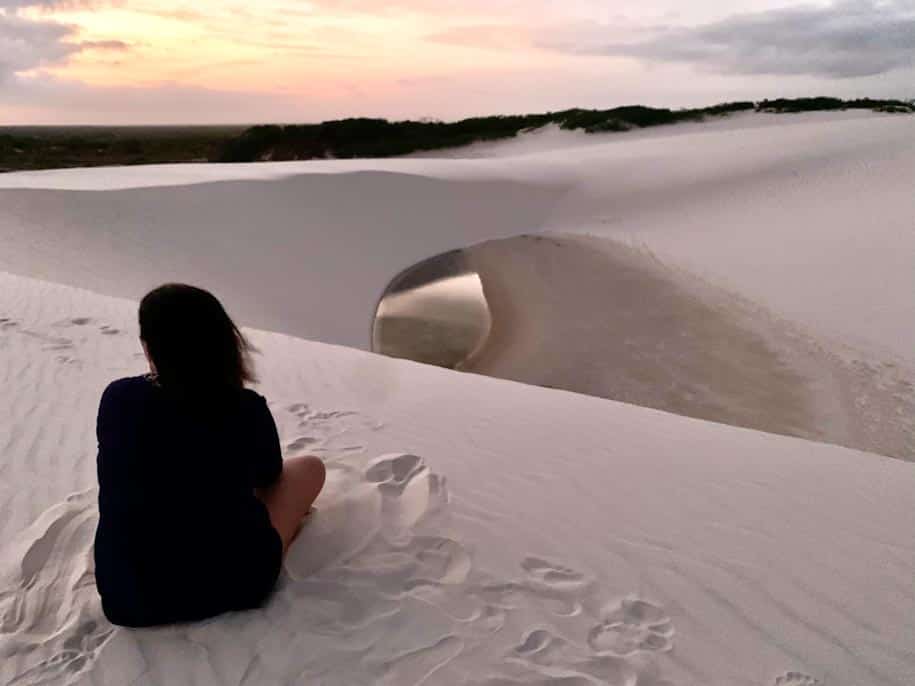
column 27, row 44
column 846, row 39
column 113, row 45
column 14, row 5
column 19, row 4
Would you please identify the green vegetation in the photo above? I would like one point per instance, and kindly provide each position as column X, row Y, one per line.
column 55, row 147
column 821, row 104
column 349, row 138
column 46, row 147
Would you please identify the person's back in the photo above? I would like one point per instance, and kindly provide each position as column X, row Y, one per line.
column 195, row 507
column 178, row 518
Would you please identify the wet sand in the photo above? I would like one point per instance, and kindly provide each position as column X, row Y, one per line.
column 440, row 342
column 605, row 319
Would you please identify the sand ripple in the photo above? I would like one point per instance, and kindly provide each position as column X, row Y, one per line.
column 373, row 586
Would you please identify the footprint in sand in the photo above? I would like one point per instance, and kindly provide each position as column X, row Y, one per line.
column 51, row 342
column 633, row 625
column 535, row 642
column 79, row 651
column 394, row 472
column 797, row 679
column 49, row 610
column 6, row 324
column 409, row 490
column 300, row 410
column 371, row 564
column 441, row 561
column 301, row 443
column 104, row 329
column 620, row 650
column 337, row 531
column 418, row 666
column 372, row 514
column 554, row 587
column 72, row 321
column 327, row 430
column 553, row 575
column 549, row 655
column 305, row 414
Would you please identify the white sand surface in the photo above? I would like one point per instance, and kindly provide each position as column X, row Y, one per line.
column 309, row 254
column 479, row 531
column 552, row 137
column 601, row 317
column 811, row 219
column 474, row 531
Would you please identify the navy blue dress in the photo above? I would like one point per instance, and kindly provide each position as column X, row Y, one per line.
column 181, row 535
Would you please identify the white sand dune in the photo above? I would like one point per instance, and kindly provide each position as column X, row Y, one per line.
column 811, row 220
column 552, row 137
column 308, row 255
column 595, row 316
column 478, row 531
column 475, row 531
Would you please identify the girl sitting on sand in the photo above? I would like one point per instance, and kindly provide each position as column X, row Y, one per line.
column 197, row 507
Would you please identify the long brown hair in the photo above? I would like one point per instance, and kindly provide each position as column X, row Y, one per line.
column 194, row 344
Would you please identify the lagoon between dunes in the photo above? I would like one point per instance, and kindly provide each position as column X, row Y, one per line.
column 682, row 456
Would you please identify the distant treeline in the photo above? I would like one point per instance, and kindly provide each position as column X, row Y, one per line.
column 55, row 147
column 350, row 138
column 825, row 104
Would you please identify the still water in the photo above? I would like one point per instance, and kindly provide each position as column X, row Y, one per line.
column 435, row 313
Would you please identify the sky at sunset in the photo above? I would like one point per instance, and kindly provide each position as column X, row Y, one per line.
column 148, row 61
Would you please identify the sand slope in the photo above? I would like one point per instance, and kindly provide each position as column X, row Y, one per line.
column 309, row 255
column 600, row 317
column 475, row 531
column 811, row 217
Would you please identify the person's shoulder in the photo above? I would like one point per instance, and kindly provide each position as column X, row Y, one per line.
column 254, row 405
column 129, row 385
column 121, row 398
column 251, row 398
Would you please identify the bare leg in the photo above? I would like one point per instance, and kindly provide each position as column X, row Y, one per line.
column 290, row 498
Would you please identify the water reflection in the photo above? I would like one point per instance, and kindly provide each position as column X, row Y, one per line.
column 435, row 312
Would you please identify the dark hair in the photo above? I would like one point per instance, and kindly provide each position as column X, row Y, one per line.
column 194, row 345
